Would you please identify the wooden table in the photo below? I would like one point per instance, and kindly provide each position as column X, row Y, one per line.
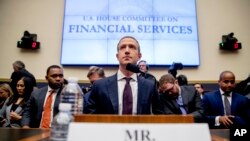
column 32, row 134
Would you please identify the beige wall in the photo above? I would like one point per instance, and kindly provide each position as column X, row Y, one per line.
column 45, row 18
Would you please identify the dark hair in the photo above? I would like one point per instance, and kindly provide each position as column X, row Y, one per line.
column 52, row 67
column 182, row 79
column 27, row 91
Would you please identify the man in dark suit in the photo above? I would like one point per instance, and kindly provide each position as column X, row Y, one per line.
column 19, row 72
column 215, row 104
column 144, row 67
column 34, row 111
column 108, row 96
column 95, row 73
column 178, row 99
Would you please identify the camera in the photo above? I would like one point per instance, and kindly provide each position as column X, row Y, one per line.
column 174, row 67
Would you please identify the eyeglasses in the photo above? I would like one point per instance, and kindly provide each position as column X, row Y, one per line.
column 170, row 88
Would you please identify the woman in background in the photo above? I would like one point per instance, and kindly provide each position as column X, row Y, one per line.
column 5, row 92
column 11, row 112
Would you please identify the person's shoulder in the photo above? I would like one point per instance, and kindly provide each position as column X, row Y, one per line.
column 106, row 79
column 40, row 90
column 188, row 88
column 238, row 95
column 142, row 79
column 26, row 73
column 149, row 75
column 211, row 94
column 145, row 81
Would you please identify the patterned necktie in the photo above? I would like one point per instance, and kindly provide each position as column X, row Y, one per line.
column 227, row 104
column 46, row 118
column 127, row 104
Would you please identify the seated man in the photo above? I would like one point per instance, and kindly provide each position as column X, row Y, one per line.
column 179, row 99
column 224, row 108
column 200, row 89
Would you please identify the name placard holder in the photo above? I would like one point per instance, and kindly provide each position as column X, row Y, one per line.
column 138, row 132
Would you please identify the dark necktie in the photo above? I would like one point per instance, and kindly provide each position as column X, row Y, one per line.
column 227, row 104
column 127, row 104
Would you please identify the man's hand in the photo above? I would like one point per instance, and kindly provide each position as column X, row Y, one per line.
column 226, row 120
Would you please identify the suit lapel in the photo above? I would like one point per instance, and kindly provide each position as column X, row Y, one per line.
column 57, row 101
column 41, row 99
column 184, row 96
column 113, row 92
column 140, row 94
column 233, row 103
column 174, row 106
column 219, row 102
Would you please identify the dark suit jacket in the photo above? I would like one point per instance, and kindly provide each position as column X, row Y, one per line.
column 103, row 98
column 191, row 100
column 33, row 111
column 213, row 106
column 86, row 100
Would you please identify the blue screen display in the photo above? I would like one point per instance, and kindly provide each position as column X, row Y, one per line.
column 166, row 30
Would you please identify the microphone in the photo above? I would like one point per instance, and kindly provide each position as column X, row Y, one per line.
column 133, row 68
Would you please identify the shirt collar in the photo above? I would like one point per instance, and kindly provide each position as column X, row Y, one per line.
column 121, row 76
column 49, row 89
column 222, row 92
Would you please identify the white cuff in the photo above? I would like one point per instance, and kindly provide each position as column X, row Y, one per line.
column 217, row 122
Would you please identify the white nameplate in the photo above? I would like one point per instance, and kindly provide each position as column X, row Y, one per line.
column 138, row 132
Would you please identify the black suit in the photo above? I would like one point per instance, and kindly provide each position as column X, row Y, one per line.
column 191, row 101
column 103, row 98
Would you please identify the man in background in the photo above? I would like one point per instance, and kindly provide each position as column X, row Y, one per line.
column 178, row 99
column 95, row 73
column 144, row 68
column 19, row 72
column 200, row 89
column 224, row 108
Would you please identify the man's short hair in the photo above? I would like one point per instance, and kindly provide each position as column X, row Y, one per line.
column 52, row 67
column 167, row 78
column 97, row 70
column 19, row 64
column 131, row 37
